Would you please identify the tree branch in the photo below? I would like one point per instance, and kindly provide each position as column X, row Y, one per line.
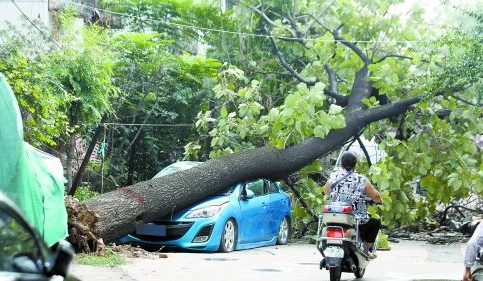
column 263, row 15
column 394, row 56
column 350, row 45
column 466, row 101
column 332, row 91
column 338, row 38
column 361, row 89
column 317, row 18
column 385, row 111
column 298, row 33
column 340, row 100
column 282, row 61
column 295, row 37
column 87, row 156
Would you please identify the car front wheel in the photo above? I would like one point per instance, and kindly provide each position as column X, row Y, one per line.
column 228, row 237
column 283, row 232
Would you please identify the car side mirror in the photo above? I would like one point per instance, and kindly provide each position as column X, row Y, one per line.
column 248, row 194
column 62, row 256
column 24, row 263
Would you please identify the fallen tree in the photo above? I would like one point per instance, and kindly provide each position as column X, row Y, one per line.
column 116, row 213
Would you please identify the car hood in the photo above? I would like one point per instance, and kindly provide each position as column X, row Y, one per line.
column 210, row 201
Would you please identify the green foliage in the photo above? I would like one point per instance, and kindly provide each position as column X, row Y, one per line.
column 85, row 192
column 438, row 151
column 312, row 194
column 22, row 62
column 174, row 20
column 243, row 122
column 83, row 71
column 442, row 155
column 161, row 89
column 383, row 242
column 464, row 61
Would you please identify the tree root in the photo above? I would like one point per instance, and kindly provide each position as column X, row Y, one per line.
column 81, row 226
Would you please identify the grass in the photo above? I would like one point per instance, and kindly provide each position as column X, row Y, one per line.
column 107, row 257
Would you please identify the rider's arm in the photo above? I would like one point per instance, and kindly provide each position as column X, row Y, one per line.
column 467, row 275
column 372, row 192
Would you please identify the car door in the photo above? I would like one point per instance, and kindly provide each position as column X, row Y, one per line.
column 253, row 210
column 276, row 208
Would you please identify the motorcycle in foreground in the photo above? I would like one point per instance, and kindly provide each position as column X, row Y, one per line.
column 339, row 242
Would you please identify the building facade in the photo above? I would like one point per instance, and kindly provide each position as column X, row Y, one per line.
column 34, row 10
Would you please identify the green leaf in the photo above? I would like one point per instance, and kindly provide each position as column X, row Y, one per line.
column 335, row 109
column 321, row 131
column 223, row 112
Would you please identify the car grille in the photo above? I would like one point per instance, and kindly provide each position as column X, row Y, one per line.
column 174, row 230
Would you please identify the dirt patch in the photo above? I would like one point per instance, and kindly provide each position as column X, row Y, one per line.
column 135, row 252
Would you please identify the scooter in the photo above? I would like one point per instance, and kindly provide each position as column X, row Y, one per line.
column 477, row 268
column 339, row 242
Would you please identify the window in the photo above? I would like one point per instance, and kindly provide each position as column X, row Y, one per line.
column 272, row 187
column 257, row 187
column 16, row 245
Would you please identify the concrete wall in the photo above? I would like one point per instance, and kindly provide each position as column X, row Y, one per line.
column 33, row 9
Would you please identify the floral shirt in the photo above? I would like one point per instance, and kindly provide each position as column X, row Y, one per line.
column 350, row 190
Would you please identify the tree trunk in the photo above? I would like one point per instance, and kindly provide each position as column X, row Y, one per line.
column 87, row 157
column 69, row 162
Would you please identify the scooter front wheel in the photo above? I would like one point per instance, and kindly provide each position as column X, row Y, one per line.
column 360, row 272
column 335, row 273
column 477, row 275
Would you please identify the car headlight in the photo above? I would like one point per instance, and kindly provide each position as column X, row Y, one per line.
column 205, row 212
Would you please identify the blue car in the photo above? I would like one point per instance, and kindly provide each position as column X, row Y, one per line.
column 250, row 214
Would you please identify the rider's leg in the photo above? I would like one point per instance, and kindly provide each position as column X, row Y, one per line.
column 370, row 230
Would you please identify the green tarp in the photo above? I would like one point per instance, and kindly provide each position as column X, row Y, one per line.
column 31, row 178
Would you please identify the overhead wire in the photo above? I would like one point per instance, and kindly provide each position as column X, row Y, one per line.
column 144, row 18
column 149, row 125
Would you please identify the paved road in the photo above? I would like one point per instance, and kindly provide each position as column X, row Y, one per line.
column 406, row 261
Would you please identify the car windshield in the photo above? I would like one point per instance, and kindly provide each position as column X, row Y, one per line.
column 226, row 191
column 176, row 167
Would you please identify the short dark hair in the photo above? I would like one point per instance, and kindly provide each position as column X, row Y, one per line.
column 348, row 160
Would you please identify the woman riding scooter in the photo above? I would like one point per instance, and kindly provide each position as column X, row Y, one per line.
column 343, row 185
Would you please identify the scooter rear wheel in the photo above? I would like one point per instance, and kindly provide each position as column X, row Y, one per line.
column 335, row 273
column 360, row 272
